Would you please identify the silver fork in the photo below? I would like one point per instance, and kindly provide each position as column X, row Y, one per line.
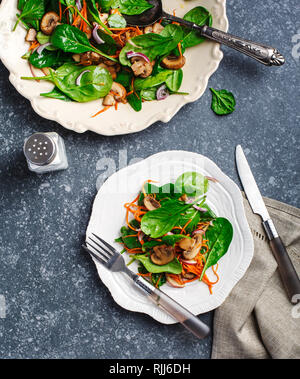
column 113, row 261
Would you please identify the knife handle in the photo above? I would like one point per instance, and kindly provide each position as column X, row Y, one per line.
column 174, row 309
column 286, row 269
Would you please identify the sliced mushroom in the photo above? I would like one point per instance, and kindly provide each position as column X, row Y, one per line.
column 88, row 32
column 141, row 68
column 187, row 243
column 150, row 203
column 148, row 29
column 109, row 100
column 189, row 275
column 31, row 35
column 173, row 282
column 192, row 253
column 183, row 198
column 49, row 22
column 119, row 92
column 173, row 63
column 90, row 58
column 103, row 17
column 76, row 57
column 157, row 28
column 162, row 255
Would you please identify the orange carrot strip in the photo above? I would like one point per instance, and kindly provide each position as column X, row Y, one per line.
column 102, row 110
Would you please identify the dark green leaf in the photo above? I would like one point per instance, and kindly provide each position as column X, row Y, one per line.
column 199, row 16
column 133, row 7
column 161, row 221
column 219, row 236
column 223, row 102
column 57, row 94
column 173, row 267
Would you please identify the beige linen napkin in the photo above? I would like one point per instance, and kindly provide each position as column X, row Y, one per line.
column 257, row 320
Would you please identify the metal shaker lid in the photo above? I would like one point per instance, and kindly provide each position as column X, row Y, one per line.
column 39, row 149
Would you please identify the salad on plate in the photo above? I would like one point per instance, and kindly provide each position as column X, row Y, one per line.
column 173, row 234
column 87, row 50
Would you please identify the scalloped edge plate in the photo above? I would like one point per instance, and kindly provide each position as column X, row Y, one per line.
column 77, row 117
column 225, row 198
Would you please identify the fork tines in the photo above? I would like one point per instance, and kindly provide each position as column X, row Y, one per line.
column 97, row 250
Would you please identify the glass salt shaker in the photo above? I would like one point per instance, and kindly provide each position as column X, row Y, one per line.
column 45, row 152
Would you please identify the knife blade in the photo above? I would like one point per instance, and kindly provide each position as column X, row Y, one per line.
column 286, row 269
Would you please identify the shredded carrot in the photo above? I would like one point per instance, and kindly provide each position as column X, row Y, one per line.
column 115, row 11
column 34, row 45
column 102, row 110
column 183, row 229
column 60, row 11
column 179, row 48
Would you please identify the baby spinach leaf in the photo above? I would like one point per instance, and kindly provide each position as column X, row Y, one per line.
column 124, row 77
column 109, row 46
column 152, row 81
column 129, row 242
column 116, row 21
column 32, row 10
column 192, row 184
column 174, row 81
column 173, row 239
column 72, row 40
column 151, row 44
column 161, row 221
column 133, row 7
column 199, row 16
column 42, row 39
column 94, row 84
column 158, row 279
column 49, row 58
column 223, row 102
column 173, row 267
column 150, row 244
column 57, row 94
column 149, row 94
column 93, row 11
column 219, row 237
column 135, row 100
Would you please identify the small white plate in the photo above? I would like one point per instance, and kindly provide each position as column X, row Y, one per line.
column 202, row 62
column 224, row 197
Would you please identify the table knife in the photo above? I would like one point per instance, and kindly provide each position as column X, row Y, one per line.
column 286, row 269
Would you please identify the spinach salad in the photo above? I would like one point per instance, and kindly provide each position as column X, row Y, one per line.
column 87, row 50
column 174, row 235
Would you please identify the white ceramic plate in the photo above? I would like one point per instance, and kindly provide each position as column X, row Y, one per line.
column 202, row 62
column 224, row 197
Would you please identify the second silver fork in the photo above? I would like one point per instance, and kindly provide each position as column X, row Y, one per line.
column 113, row 261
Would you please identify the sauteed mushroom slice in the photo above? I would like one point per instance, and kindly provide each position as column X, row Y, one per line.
column 117, row 93
column 157, row 28
column 162, row 255
column 187, row 243
column 49, row 22
column 189, row 275
column 173, row 282
column 150, row 203
column 141, row 68
column 31, row 35
column 193, row 252
column 173, row 63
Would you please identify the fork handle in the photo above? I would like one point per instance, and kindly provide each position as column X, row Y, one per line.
column 174, row 309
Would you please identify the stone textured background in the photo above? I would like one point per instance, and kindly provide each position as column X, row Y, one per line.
column 56, row 305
